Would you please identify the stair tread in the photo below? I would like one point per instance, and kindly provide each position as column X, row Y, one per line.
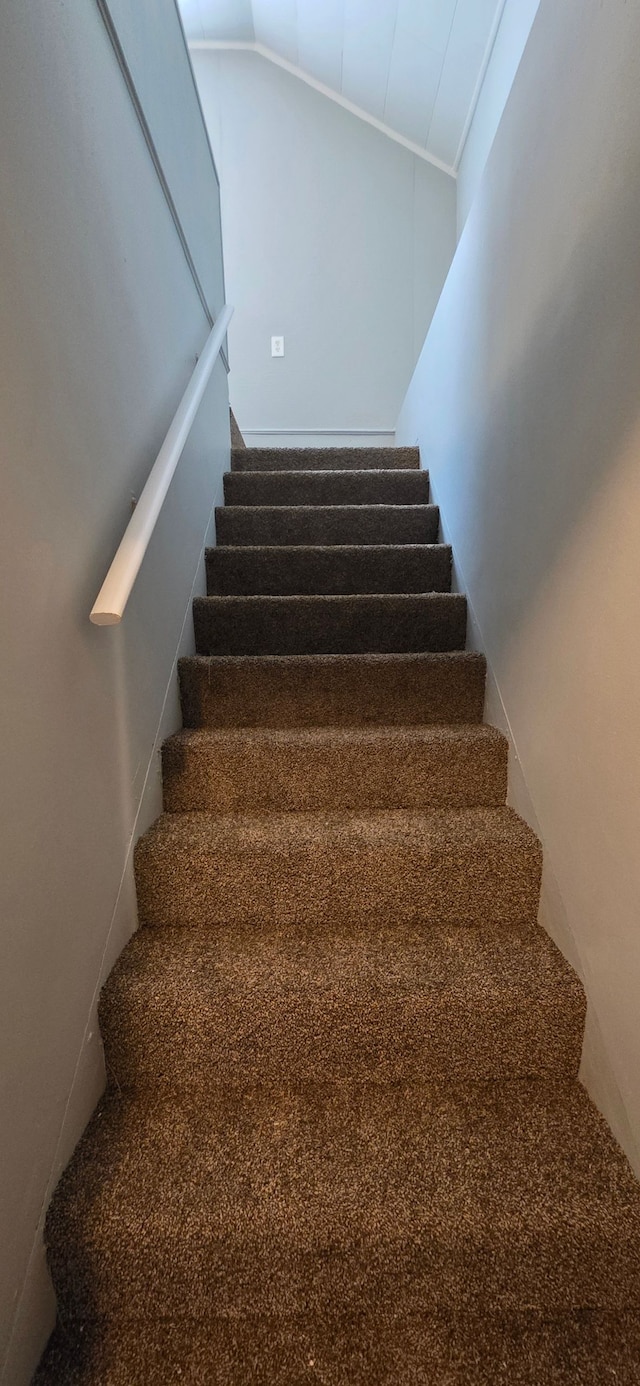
column 505, row 1196
column 330, row 509
column 397, row 1004
column 332, row 551
column 367, row 601
column 206, row 739
column 337, row 471
column 461, row 659
column 424, row 830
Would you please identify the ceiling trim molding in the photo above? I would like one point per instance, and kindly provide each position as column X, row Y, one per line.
column 247, row 46
column 473, row 106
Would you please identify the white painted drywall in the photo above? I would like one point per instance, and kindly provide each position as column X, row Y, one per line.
column 526, row 404
column 100, row 324
column 512, row 35
column 151, row 36
column 335, row 237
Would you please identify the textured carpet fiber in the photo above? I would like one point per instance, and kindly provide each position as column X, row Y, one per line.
column 332, row 690
column 454, row 865
column 393, row 487
column 343, row 1139
column 327, row 524
column 383, row 1004
column 344, row 569
column 386, row 624
column 295, row 768
column 323, row 459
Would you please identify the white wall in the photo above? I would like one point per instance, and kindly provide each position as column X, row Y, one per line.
column 515, row 27
column 526, row 404
column 335, row 237
column 100, row 323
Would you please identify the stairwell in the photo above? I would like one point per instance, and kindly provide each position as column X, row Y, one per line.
column 343, row 1139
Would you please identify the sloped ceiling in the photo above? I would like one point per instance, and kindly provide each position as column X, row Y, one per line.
column 415, row 66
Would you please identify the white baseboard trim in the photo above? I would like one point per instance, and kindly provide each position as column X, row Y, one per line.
column 320, row 432
column 318, row 437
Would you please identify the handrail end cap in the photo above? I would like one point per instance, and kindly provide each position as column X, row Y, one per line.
column 105, row 618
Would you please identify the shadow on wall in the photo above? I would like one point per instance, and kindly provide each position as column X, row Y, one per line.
column 561, row 404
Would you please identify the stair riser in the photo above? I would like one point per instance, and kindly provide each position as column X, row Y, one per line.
column 457, row 1047
column 451, row 1046
column 241, row 1271
column 323, row 459
column 375, row 1344
column 334, row 691
column 187, row 1038
column 378, row 524
column 325, row 882
column 240, row 777
column 329, row 625
column 327, row 488
column 336, row 570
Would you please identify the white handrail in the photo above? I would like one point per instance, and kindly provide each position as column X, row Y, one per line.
column 116, row 588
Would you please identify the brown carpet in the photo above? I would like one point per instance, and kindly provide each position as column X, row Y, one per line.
column 327, row 524
column 378, row 1345
column 332, row 690
column 384, row 624
column 458, row 866
column 324, row 459
column 385, row 1004
column 293, row 769
column 343, row 1140
column 393, row 487
column 237, row 440
column 342, row 570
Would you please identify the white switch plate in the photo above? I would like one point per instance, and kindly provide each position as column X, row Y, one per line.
column 277, row 346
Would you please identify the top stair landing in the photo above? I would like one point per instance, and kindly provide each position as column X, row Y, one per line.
column 324, row 459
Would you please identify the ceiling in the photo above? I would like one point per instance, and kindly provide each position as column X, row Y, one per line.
column 413, row 66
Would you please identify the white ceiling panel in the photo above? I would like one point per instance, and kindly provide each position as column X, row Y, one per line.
column 414, row 65
column 276, row 26
column 320, row 35
column 369, row 29
column 461, row 69
column 428, row 21
column 414, row 76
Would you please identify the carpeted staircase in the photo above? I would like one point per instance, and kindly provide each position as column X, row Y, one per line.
column 343, row 1141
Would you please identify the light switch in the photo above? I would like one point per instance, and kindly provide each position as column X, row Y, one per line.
column 277, row 346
